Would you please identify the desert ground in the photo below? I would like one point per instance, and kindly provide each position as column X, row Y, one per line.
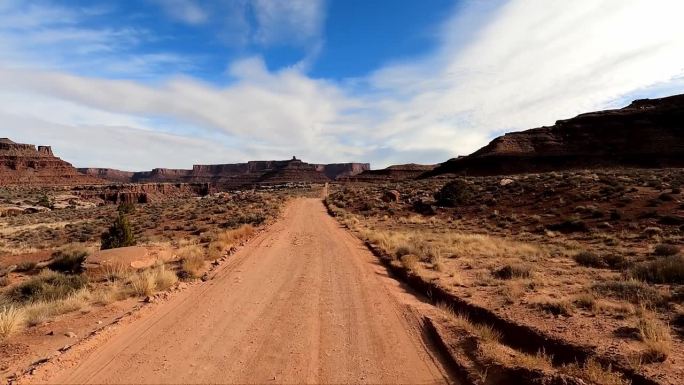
column 564, row 277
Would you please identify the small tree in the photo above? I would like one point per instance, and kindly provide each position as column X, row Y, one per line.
column 119, row 234
column 45, row 201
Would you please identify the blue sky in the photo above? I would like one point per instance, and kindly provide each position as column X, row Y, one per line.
column 171, row 83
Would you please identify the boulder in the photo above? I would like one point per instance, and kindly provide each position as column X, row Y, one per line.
column 391, row 196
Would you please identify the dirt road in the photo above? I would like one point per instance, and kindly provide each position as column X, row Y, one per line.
column 302, row 302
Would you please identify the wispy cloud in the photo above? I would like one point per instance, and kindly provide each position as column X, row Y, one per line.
column 186, row 11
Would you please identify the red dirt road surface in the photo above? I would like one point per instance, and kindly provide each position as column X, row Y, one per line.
column 303, row 302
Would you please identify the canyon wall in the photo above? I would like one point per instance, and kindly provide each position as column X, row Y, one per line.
column 236, row 175
column 24, row 164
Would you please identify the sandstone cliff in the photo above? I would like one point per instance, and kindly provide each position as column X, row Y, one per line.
column 24, row 164
column 236, row 175
column 647, row 133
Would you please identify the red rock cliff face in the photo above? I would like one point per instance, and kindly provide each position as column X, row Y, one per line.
column 236, row 175
column 23, row 164
column 647, row 133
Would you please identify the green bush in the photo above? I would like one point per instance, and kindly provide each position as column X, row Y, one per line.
column 119, row 234
column 45, row 201
column 68, row 261
column 454, row 193
column 47, row 286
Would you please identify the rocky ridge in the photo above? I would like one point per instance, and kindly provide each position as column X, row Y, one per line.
column 648, row 133
column 237, row 175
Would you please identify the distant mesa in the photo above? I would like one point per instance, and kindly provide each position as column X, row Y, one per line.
column 24, row 164
column 235, row 175
column 648, row 133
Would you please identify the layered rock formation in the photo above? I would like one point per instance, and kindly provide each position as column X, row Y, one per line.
column 391, row 174
column 237, row 175
column 647, row 133
column 24, row 164
column 141, row 193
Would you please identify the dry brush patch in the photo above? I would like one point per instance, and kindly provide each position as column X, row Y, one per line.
column 560, row 252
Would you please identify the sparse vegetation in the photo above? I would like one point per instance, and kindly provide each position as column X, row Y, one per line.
column 119, row 234
column 11, row 320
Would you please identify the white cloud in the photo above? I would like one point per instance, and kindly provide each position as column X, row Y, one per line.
column 521, row 65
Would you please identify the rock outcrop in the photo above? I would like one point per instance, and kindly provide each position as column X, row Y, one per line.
column 236, row 175
column 390, row 174
column 24, row 164
column 648, row 133
column 141, row 193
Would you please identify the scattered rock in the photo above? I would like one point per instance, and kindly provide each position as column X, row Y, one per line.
column 391, row 196
column 506, row 181
column 70, row 334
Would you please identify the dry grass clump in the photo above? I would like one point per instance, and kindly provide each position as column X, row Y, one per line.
column 656, row 336
column 589, row 259
column 37, row 313
column 227, row 239
column 148, row 282
column 164, row 278
column 11, row 320
column 539, row 361
column 593, row 372
column 631, row 290
column 666, row 249
column 46, row 286
column 143, row 284
column 192, row 260
column 662, row 270
column 516, row 270
column 485, row 332
column 554, row 306
column 410, row 262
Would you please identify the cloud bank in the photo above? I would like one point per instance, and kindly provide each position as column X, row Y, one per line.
column 521, row 64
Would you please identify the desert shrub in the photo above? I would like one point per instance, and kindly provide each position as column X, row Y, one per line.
column 47, row 286
column 593, row 372
column 569, row 226
column 615, row 261
column 555, row 306
column 126, row 208
column 455, row 193
column 69, row 260
column 192, row 260
column 39, row 312
column 512, row 271
column 26, row 266
column 119, row 234
column 631, row 290
column 45, row 201
column 589, row 259
column 164, row 278
column 663, row 270
column 666, row 249
column 143, row 284
column 410, row 262
column 11, row 320
column 656, row 337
